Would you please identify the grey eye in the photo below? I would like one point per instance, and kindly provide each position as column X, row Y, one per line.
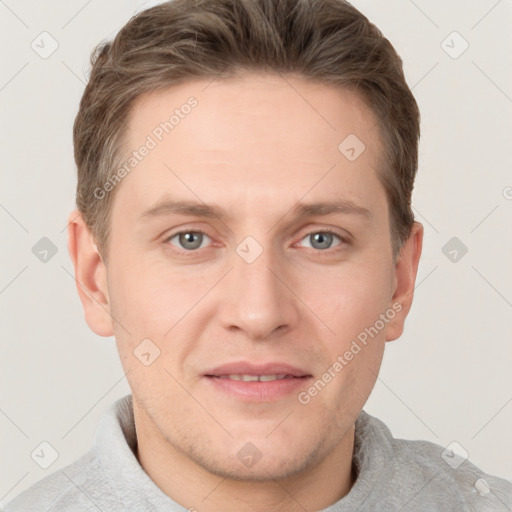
column 321, row 239
column 189, row 240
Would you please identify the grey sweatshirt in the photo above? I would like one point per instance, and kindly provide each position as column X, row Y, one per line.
column 392, row 475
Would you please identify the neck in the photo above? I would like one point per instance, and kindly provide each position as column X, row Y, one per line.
column 194, row 487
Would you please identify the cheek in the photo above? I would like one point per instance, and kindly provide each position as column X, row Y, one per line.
column 351, row 300
column 151, row 299
column 352, row 306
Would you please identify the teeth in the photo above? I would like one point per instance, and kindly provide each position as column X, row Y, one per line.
column 265, row 378
column 254, row 378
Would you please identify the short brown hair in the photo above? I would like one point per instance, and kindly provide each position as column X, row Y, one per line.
column 327, row 41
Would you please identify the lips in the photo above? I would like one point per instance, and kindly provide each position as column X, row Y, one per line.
column 242, row 369
column 257, row 383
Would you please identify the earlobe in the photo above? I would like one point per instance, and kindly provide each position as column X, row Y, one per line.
column 90, row 275
column 406, row 269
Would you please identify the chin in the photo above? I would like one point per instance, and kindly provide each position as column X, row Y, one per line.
column 279, row 468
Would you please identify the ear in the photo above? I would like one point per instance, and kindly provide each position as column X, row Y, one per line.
column 406, row 268
column 90, row 275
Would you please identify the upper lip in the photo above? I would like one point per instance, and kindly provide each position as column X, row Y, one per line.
column 247, row 368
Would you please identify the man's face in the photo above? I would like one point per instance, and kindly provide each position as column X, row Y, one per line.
column 266, row 282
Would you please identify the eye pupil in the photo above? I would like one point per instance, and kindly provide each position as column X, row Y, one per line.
column 323, row 239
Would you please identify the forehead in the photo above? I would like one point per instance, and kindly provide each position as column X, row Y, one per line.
column 323, row 112
column 253, row 139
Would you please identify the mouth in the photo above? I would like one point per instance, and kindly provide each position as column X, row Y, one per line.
column 256, row 378
column 257, row 383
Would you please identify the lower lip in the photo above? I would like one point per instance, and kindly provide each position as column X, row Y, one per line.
column 259, row 391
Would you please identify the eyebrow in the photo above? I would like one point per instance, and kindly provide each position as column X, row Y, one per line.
column 168, row 207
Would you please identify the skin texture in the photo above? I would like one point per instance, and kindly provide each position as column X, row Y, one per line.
column 255, row 147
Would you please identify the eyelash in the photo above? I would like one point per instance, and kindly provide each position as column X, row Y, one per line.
column 326, row 230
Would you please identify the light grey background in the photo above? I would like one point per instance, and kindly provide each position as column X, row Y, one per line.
column 447, row 379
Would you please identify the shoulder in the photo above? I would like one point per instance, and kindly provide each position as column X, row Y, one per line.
column 72, row 488
column 85, row 485
column 445, row 473
column 436, row 477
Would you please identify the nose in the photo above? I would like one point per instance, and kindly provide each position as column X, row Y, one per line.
column 259, row 299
